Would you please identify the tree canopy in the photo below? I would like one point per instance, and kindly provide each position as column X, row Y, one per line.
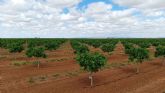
column 160, row 51
column 36, row 52
column 138, row 55
column 15, row 47
column 91, row 62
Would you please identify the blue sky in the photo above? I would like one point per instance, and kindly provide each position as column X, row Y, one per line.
column 85, row 3
column 82, row 18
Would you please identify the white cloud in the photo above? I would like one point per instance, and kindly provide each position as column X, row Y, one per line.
column 62, row 3
column 67, row 17
column 141, row 4
column 37, row 18
column 147, row 7
column 98, row 7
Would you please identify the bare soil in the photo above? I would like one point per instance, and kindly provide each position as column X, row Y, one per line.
column 64, row 76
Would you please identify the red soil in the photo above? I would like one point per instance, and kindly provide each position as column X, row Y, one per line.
column 118, row 80
column 117, row 56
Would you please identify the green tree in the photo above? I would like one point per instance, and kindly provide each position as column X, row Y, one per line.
column 91, row 62
column 51, row 45
column 36, row 52
column 79, row 48
column 137, row 56
column 108, row 47
column 160, row 52
column 15, row 47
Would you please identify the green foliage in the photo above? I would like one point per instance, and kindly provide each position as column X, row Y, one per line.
column 108, row 47
column 36, row 52
column 127, row 46
column 138, row 55
column 0, row 43
column 32, row 44
column 15, row 47
column 99, row 42
column 91, row 62
column 79, row 48
column 6, row 43
column 160, row 51
column 96, row 44
column 144, row 45
column 82, row 49
column 51, row 46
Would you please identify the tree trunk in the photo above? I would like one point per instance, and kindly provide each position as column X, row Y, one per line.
column 91, row 78
column 38, row 65
column 137, row 68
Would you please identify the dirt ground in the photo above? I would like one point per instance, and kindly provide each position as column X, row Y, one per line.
column 59, row 73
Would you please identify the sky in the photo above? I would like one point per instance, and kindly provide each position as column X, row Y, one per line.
column 82, row 18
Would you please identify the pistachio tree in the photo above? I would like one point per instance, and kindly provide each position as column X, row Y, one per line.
column 91, row 62
column 37, row 52
column 137, row 56
column 160, row 52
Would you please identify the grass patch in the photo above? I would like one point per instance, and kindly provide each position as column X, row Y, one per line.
column 36, row 63
column 71, row 74
column 107, row 66
column 20, row 63
column 55, row 75
column 115, row 65
column 57, row 60
column 31, row 80
column 42, row 78
column 2, row 57
column 110, row 53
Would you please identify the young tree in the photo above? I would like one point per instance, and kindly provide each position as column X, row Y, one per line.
column 36, row 52
column 91, row 62
column 160, row 52
column 137, row 56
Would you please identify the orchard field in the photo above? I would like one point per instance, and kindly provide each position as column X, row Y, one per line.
column 64, row 65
